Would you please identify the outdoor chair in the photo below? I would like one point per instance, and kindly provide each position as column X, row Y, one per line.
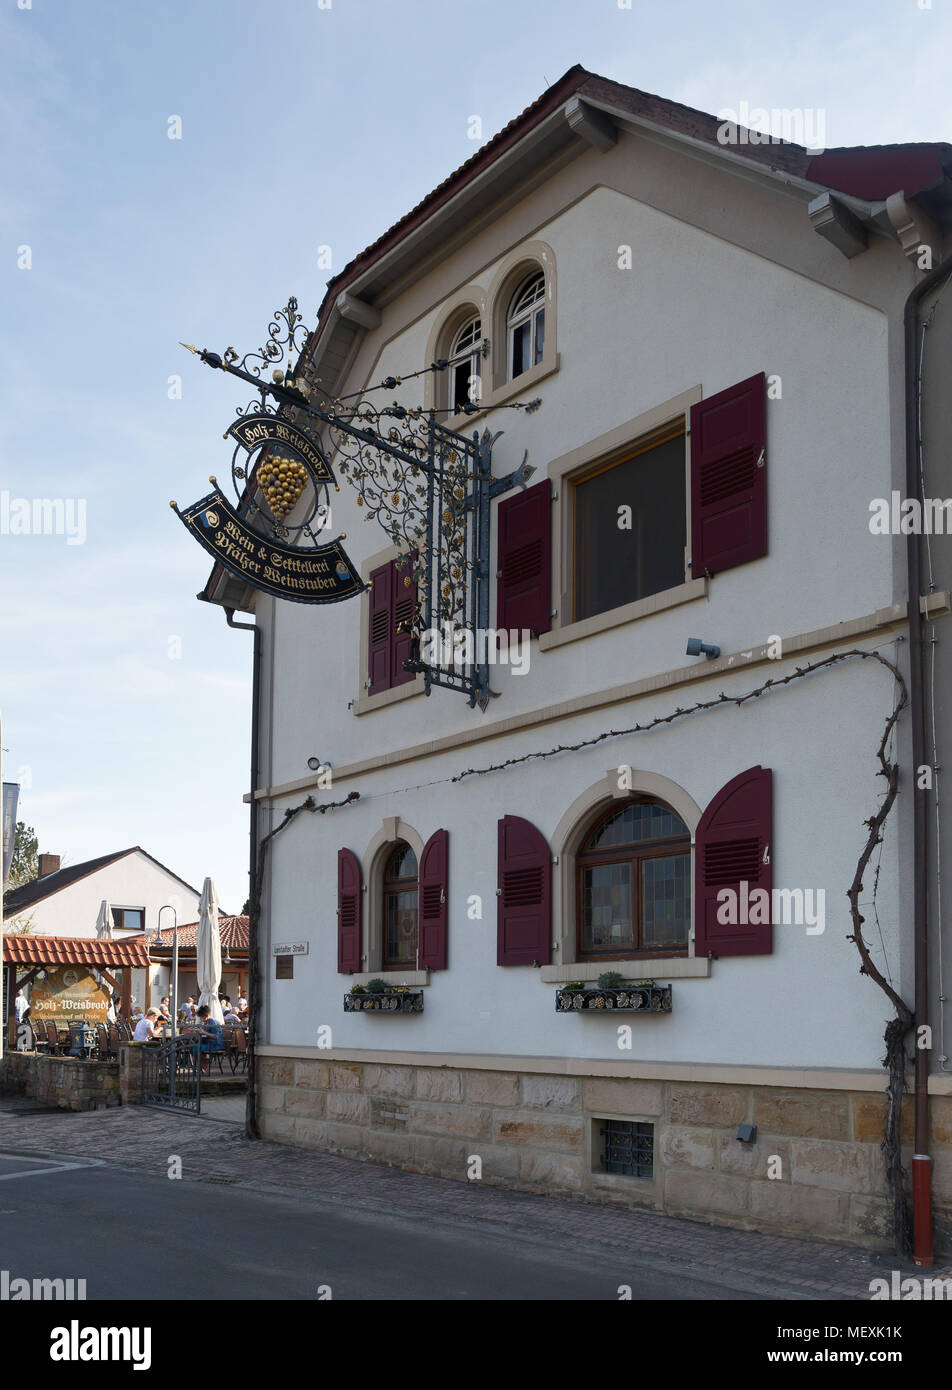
column 52, row 1038
column 102, row 1042
column 113, row 1032
column 40, row 1043
column 239, row 1051
column 201, row 1052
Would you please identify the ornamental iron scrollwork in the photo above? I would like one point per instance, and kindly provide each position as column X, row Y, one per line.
column 427, row 486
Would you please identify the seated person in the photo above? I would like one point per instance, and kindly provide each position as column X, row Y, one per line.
column 213, row 1040
column 231, row 1016
column 145, row 1028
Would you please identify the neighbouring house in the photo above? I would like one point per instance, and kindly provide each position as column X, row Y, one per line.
column 719, row 341
column 234, row 955
column 65, row 902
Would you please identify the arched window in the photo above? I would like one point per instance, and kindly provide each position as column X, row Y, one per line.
column 400, row 917
column 525, row 324
column 633, row 874
column 465, row 356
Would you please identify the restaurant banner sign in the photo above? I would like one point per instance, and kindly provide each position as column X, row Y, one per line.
column 282, row 501
column 68, row 992
column 11, row 793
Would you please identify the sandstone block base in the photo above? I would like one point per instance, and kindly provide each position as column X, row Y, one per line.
column 815, row 1168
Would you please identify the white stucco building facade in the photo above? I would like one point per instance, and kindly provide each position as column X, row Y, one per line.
column 681, row 280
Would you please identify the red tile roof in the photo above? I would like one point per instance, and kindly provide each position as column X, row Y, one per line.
column 870, row 172
column 233, row 930
column 551, row 98
column 25, row 948
column 873, row 172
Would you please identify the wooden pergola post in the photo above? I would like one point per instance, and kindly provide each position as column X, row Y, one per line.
column 11, row 1020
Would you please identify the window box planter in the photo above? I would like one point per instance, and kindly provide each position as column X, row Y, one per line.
column 388, row 1001
column 629, row 999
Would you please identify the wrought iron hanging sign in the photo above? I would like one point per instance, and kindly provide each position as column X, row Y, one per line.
column 289, row 476
column 428, row 486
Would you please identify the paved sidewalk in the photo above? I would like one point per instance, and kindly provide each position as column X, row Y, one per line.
column 217, row 1149
column 224, row 1108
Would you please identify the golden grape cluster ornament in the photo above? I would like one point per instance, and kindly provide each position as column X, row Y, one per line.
column 282, row 480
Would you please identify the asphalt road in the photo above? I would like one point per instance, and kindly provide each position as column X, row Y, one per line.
column 134, row 1236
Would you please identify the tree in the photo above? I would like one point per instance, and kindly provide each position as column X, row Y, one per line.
column 24, row 866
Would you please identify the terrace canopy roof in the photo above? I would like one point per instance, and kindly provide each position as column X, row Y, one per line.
column 26, row 949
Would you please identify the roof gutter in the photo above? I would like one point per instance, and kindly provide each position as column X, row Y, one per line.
column 921, row 1162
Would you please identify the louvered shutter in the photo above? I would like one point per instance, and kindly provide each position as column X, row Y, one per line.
column 729, row 478
column 524, row 574
column 404, row 607
column 524, row 895
column 381, row 629
column 434, row 889
column 734, row 847
column 349, row 912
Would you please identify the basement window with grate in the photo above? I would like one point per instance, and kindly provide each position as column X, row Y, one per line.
column 625, row 1147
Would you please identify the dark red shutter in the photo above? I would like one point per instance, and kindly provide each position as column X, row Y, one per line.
column 381, row 627
column 734, row 846
column 434, row 888
column 524, row 912
column 349, row 912
column 404, row 607
column 524, row 588
column 729, row 478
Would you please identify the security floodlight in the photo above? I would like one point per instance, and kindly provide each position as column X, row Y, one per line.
column 316, row 764
column 698, row 648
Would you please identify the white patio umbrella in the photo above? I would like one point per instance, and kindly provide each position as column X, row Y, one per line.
column 208, row 951
column 104, row 922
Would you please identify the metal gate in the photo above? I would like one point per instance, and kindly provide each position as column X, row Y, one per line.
column 172, row 1076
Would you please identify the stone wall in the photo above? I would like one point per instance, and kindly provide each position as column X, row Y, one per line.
column 815, row 1168
column 67, row 1082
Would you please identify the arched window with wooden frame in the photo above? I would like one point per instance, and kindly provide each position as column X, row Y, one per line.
column 525, row 324
column 633, row 883
column 400, row 934
column 465, row 370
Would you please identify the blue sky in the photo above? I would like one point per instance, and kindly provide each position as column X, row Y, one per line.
column 302, row 126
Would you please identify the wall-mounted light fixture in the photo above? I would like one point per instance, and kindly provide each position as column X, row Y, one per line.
column 315, row 764
column 698, row 648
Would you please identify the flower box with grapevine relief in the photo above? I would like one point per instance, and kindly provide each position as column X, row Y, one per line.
column 384, row 1001
column 641, row 997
